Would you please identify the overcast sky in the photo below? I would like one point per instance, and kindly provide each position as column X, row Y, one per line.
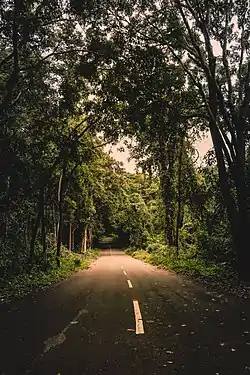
column 202, row 146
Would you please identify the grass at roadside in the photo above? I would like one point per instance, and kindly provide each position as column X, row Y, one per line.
column 217, row 278
column 184, row 265
column 38, row 278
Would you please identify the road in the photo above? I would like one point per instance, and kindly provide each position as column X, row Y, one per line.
column 125, row 317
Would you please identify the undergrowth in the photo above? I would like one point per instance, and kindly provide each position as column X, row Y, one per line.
column 187, row 263
column 39, row 278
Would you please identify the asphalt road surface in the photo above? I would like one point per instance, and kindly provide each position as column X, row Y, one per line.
column 124, row 317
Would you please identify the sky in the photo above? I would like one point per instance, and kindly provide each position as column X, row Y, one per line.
column 202, row 146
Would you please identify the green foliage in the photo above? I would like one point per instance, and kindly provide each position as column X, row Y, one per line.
column 185, row 265
column 70, row 71
column 135, row 213
column 39, row 278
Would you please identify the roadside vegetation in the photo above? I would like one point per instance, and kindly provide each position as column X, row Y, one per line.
column 76, row 76
column 185, row 264
column 16, row 286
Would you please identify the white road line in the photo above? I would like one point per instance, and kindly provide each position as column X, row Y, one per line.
column 125, row 273
column 60, row 338
column 129, row 284
column 138, row 319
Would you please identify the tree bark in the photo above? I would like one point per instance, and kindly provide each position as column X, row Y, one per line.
column 26, row 234
column 242, row 222
column 84, row 240
column 33, row 239
column 60, row 221
column 229, row 150
column 54, row 222
column 43, row 228
column 90, row 230
column 168, row 190
column 73, row 239
column 179, row 197
column 70, row 236
column 82, row 244
column 236, row 209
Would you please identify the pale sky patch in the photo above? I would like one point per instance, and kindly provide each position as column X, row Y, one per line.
column 203, row 146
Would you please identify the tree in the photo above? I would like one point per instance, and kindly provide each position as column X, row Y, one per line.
column 188, row 32
column 154, row 104
column 223, row 82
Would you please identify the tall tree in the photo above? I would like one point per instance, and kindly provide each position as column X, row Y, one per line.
column 210, row 42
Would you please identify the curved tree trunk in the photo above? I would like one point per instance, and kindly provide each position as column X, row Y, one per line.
column 236, row 206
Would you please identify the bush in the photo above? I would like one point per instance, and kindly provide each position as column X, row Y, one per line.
column 38, row 278
column 184, row 264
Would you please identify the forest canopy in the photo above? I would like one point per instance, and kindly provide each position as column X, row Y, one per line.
column 158, row 72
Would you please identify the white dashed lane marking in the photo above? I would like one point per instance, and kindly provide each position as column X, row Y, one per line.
column 138, row 318
column 129, row 284
column 139, row 329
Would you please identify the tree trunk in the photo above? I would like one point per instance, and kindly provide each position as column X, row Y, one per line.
column 179, row 198
column 70, row 237
column 33, row 239
column 43, row 229
column 235, row 207
column 90, row 230
column 73, row 239
column 84, row 240
column 236, row 210
column 241, row 240
column 4, row 227
column 82, row 244
column 26, row 234
column 54, row 222
column 242, row 232
column 168, row 191
column 60, row 221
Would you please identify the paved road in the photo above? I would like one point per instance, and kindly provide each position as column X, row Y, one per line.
column 99, row 323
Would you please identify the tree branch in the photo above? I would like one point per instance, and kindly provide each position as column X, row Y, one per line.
column 226, row 66
column 242, row 50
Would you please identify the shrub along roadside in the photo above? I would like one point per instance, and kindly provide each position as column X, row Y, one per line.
column 219, row 279
column 39, row 279
column 185, row 264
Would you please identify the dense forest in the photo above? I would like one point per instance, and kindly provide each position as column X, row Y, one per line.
column 78, row 75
